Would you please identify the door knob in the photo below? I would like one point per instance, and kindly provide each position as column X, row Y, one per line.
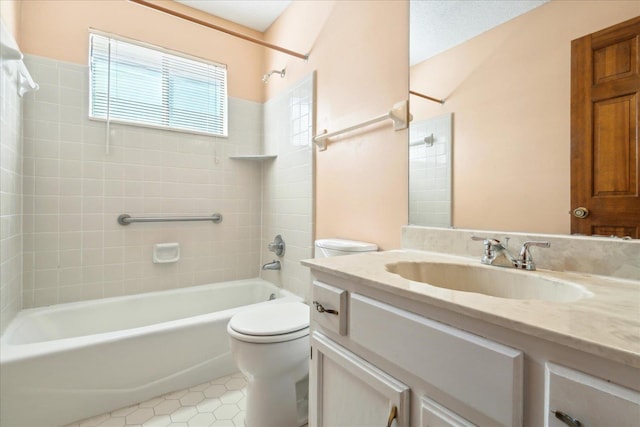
column 581, row 212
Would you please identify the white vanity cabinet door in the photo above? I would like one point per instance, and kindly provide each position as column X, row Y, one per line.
column 347, row 391
column 432, row 414
column 591, row 401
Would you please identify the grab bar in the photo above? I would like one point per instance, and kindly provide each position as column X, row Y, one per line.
column 126, row 219
column 399, row 114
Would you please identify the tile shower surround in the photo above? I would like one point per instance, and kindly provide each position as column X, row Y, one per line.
column 10, row 195
column 287, row 184
column 430, row 172
column 73, row 192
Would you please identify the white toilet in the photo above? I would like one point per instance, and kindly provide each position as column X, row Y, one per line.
column 336, row 247
column 270, row 345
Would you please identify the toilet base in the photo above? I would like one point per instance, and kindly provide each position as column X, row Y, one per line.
column 278, row 401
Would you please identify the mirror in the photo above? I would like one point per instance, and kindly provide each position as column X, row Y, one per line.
column 507, row 85
column 436, row 27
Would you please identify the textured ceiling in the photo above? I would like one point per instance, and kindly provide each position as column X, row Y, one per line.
column 255, row 14
column 438, row 25
column 435, row 25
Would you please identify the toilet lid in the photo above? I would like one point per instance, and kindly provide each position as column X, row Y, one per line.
column 346, row 245
column 271, row 319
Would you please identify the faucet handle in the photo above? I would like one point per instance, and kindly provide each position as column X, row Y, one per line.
column 525, row 260
column 486, row 240
column 277, row 246
column 489, row 254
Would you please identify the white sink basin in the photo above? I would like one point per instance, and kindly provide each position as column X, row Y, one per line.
column 493, row 281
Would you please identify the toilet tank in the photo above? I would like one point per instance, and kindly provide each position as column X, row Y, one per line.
column 336, row 247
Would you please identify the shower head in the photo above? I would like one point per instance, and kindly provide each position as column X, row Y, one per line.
column 266, row 77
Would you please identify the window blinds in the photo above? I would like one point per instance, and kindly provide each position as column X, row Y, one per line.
column 138, row 84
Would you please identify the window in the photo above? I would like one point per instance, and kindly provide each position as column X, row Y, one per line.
column 146, row 85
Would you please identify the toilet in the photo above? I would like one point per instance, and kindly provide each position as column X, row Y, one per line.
column 337, row 247
column 270, row 345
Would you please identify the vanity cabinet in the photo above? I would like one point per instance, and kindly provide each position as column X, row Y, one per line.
column 373, row 350
column 437, row 362
column 484, row 375
column 432, row 414
column 573, row 397
column 349, row 391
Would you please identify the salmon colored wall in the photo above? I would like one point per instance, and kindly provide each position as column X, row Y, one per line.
column 509, row 91
column 59, row 29
column 10, row 13
column 360, row 52
column 296, row 29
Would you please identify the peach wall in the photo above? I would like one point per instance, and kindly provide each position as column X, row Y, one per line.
column 359, row 49
column 59, row 30
column 297, row 29
column 10, row 13
column 509, row 91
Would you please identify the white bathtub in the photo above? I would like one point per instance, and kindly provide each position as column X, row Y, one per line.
column 66, row 362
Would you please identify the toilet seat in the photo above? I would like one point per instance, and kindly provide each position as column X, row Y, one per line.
column 271, row 323
column 344, row 245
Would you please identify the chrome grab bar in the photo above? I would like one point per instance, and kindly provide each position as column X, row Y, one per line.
column 126, row 219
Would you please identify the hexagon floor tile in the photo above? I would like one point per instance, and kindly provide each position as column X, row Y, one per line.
column 218, row 403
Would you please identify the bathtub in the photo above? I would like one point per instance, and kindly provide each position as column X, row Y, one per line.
column 66, row 362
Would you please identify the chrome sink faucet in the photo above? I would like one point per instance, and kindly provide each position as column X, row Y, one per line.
column 496, row 253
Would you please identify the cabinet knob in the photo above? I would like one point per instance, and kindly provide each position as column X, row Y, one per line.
column 567, row 419
column 321, row 309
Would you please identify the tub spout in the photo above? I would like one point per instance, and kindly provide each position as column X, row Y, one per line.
column 273, row 265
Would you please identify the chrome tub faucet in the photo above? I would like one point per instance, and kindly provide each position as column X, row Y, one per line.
column 273, row 265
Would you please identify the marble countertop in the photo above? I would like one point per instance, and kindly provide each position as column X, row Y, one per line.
column 606, row 324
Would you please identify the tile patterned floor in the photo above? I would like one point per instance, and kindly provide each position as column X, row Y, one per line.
column 218, row 403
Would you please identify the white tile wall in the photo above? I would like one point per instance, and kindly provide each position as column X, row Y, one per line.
column 73, row 193
column 288, row 184
column 430, row 172
column 10, row 196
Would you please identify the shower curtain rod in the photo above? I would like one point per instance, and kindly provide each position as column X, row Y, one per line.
column 439, row 101
column 219, row 28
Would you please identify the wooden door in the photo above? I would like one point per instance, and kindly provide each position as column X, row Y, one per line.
column 605, row 176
